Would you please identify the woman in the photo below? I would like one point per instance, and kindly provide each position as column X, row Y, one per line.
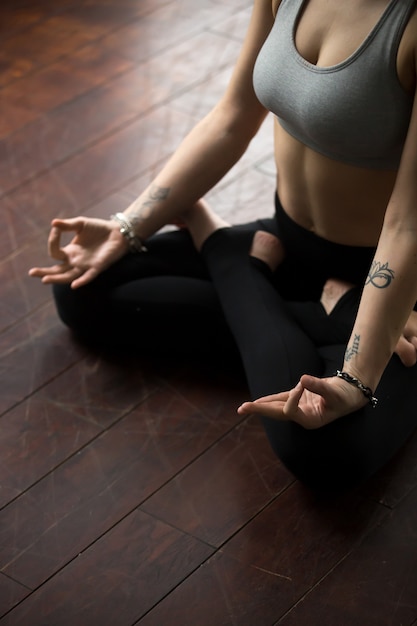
column 319, row 300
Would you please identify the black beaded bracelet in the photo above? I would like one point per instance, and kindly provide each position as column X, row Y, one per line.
column 367, row 391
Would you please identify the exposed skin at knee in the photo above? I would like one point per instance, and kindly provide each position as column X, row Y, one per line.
column 333, row 290
column 267, row 248
column 202, row 221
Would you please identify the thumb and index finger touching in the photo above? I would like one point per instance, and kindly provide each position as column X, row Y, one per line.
column 59, row 226
column 55, row 251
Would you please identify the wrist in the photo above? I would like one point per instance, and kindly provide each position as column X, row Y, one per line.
column 123, row 244
column 132, row 242
column 362, row 388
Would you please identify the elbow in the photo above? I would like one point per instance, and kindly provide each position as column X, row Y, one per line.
column 241, row 122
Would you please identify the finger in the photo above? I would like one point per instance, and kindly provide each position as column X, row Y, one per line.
column 40, row 272
column 85, row 278
column 54, row 245
column 294, row 397
column 75, row 224
column 315, row 385
column 268, row 409
column 282, row 396
column 245, row 408
column 257, row 406
column 62, row 278
column 251, row 407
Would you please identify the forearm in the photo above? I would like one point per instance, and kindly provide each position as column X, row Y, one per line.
column 204, row 157
column 389, row 295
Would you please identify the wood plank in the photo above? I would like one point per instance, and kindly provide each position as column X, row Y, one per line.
column 14, row 115
column 117, row 580
column 216, row 391
column 91, row 65
column 244, row 195
column 14, row 18
column 74, row 125
column 58, row 83
column 32, row 352
column 37, row 36
column 267, row 566
column 234, row 27
column 397, row 479
column 54, row 423
column 223, row 489
column 96, row 19
column 322, row 532
column 61, row 133
column 21, row 294
column 199, row 100
column 46, row 41
column 169, row 26
column 11, row 593
column 60, row 516
column 222, row 591
column 122, row 197
column 376, row 584
column 88, row 177
column 17, row 227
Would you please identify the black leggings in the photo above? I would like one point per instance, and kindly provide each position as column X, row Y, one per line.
column 223, row 303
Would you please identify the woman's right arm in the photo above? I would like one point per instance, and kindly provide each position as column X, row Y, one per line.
column 214, row 145
column 207, row 153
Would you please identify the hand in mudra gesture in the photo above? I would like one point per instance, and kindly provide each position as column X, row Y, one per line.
column 96, row 245
column 312, row 403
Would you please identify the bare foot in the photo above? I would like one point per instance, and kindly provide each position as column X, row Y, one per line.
column 201, row 221
column 333, row 290
column 267, row 248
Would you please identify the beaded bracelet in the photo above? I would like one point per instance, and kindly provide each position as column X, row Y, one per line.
column 126, row 229
column 367, row 391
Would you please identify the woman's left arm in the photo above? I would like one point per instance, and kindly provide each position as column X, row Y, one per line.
column 388, row 297
column 390, row 291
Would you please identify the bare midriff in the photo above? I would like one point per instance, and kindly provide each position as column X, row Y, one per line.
column 339, row 202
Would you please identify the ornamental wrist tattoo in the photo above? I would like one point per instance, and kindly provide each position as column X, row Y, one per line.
column 380, row 275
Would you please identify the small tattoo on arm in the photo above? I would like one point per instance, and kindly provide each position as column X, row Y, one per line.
column 156, row 194
column 352, row 350
column 380, row 275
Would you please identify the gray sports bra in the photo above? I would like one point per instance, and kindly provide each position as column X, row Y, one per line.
column 356, row 111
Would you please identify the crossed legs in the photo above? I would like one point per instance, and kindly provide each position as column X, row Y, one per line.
column 276, row 349
column 202, row 222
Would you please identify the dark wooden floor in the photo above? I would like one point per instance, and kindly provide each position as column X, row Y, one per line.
column 132, row 493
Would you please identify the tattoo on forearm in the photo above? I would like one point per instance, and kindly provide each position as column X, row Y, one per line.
column 156, row 194
column 353, row 350
column 380, row 275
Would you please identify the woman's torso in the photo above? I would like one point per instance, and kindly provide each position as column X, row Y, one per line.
column 339, row 201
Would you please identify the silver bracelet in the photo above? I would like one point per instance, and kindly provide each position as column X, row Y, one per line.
column 126, row 229
column 367, row 391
